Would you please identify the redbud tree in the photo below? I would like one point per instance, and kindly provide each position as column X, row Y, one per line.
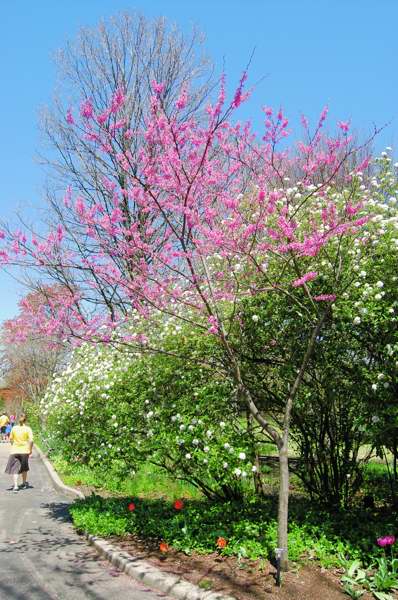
column 28, row 361
column 230, row 215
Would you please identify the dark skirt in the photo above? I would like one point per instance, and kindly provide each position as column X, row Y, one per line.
column 17, row 463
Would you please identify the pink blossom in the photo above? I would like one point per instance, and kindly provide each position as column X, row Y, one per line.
column 307, row 277
column 182, row 99
column 80, row 206
column 214, row 327
column 387, row 540
column 158, row 88
column 364, row 164
column 287, row 227
column 239, row 96
column 60, row 233
column 325, row 298
column 69, row 117
column 103, row 117
column 86, row 109
column 344, row 126
column 304, row 122
column 118, row 99
column 118, row 125
column 4, row 257
column 216, row 110
column 323, row 116
column 361, row 221
column 91, row 136
column 352, row 210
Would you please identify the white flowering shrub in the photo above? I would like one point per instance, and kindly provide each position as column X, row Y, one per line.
column 114, row 409
column 356, row 376
column 370, row 303
column 376, row 318
column 81, row 414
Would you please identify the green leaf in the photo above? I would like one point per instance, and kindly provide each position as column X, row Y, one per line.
column 382, row 596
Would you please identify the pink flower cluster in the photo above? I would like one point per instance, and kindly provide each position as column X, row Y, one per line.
column 325, row 298
column 307, row 277
column 211, row 215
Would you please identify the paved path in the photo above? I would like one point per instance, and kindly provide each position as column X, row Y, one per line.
column 41, row 557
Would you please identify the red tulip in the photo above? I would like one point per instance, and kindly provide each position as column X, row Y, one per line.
column 178, row 504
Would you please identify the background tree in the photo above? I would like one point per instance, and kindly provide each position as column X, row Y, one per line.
column 29, row 358
column 27, row 368
column 112, row 67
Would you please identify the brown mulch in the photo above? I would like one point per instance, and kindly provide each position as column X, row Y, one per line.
column 247, row 580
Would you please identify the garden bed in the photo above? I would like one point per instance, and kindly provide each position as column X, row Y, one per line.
column 225, row 546
column 244, row 579
column 319, row 539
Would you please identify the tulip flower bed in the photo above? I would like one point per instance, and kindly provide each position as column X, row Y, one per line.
column 211, row 543
column 246, row 531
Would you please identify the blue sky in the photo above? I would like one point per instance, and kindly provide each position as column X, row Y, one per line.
column 309, row 53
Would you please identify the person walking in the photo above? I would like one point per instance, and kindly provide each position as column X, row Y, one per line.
column 4, row 420
column 8, row 431
column 21, row 438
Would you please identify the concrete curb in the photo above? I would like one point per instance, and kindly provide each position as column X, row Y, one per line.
column 142, row 571
column 58, row 483
column 137, row 568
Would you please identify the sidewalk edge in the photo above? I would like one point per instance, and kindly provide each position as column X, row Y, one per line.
column 134, row 567
column 57, row 481
column 144, row 572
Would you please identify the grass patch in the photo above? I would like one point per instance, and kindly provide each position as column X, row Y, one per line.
column 149, row 482
column 205, row 584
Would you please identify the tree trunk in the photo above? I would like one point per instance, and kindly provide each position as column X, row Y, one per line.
column 283, row 505
column 284, row 446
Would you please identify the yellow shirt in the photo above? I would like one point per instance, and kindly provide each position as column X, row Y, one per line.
column 20, row 437
column 3, row 420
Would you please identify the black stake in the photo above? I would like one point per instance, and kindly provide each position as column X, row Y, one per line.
column 278, row 556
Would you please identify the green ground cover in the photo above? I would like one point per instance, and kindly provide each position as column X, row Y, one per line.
column 249, row 526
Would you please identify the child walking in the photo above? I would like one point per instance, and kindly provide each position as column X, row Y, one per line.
column 21, row 438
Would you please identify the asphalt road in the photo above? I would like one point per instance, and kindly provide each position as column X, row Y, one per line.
column 41, row 557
